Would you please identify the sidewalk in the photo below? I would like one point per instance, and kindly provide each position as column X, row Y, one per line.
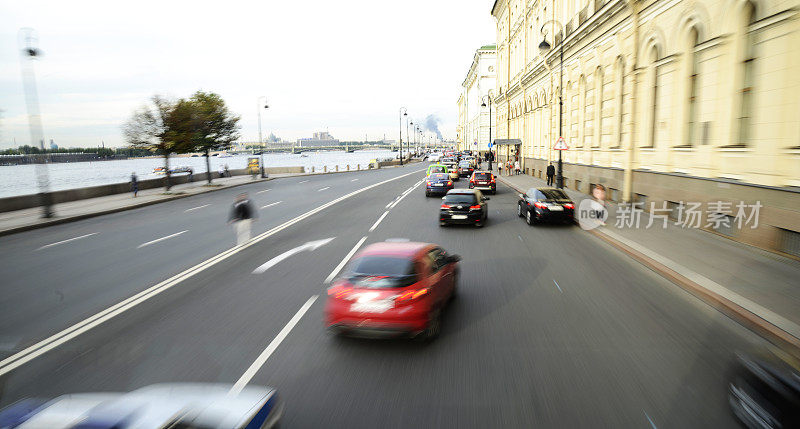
column 27, row 219
column 753, row 284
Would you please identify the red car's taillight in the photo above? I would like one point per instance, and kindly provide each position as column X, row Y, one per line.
column 410, row 295
column 445, row 206
column 569, row 206
column 540, row 205
column 449, row 183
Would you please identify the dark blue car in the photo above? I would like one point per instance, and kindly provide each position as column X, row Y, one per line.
column 438, row 183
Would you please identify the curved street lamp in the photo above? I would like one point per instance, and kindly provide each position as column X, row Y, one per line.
column 260, row 141
column 403, row 112
column 487, row 99
column 544, row 48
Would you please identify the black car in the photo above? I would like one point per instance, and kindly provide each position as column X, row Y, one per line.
column 764, row 390
column 466, row 206
column 465, row 169
column 438, row 183
column 545, row 204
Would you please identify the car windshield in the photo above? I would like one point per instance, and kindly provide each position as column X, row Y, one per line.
column 554, row 194
column 483, row 176
column 438, row 169
column 459, row 198
column 381, row 272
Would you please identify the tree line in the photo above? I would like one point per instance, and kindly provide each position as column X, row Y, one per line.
column 200, row 123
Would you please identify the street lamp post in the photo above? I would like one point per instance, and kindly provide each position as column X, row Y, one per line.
column 488, row 98
column 408, row 136
column 544, row 47
column 403, row 112
column 260, row 141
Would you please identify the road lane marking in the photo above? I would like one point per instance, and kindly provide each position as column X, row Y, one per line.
column 354, row 180
column 311, row 246
column 265, row 190
column 320, row 190
column 347, row 257
column 16, row 360
column 160, row 239
column 272, row 204
column 66, row 241
column 650, row 420
column 195, row 208
column 405, row 194
column 302, row 181
column 559, row 287
column 372, row 228
column 262, row 358
column 520, row 237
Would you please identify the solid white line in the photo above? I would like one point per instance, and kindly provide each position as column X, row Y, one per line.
column 265, row 190
column 347, row 257
column 372, row 228
column 66, row 241
column 302, row 181
column 320, row 190
column 195, row 208
column 161, row 239
column 559, row 287
column 262, row 358
column 272, row 204
column 16, row 360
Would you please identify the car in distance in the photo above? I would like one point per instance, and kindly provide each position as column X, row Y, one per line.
column 438, row 183
column 465, row 169
column 464, row 206
column 545, row 204
column 436, row 168
column 484, row 181
column 452, row 169
column 393, row 289
column 434, row 156
column 171, row 405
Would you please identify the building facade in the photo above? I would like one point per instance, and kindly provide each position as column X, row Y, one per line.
column 321, row 138
column 662, row 101
column 476, row 89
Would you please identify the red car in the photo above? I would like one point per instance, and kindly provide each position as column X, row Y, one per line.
column 393, row 289
column 483, row 180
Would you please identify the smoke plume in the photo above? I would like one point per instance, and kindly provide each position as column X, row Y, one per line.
column 432, row 125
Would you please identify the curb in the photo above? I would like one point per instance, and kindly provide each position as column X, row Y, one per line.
column 744, row 317
column 75, row 218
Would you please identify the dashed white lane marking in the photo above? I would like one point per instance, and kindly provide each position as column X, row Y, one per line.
column 272, row 204
column 196, row 208
column 160, row 239
column 262, row 358
column 347, row 257
column 375, row 225
column 520, row 237
column 354, row 180
column 265, row 190
column 322, row 189
column 650, row 420
column 559, row 287
column 66, row 241
column 302, row 181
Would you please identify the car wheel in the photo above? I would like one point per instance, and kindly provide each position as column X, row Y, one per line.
column 442, row 224
column 427, row 194
column 455, row 285
column 529, row 219
column 434, row 326
column 519, row 209
column 480, row 224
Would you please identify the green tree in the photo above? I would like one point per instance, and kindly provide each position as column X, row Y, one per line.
column 203, row 123
column 148, row 128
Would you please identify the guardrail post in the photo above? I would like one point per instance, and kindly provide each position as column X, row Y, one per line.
column 337, row 167
column 325, row 169
column 312, row 168
column 348, row 167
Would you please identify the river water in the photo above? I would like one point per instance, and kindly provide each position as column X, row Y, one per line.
column 21, row 179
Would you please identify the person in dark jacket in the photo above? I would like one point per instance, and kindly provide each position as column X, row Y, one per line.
column 551, row 172
column 242, row 215
column 134, row 184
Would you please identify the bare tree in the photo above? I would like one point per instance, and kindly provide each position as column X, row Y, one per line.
column 148, row 128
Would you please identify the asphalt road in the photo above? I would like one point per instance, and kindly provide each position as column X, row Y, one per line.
column 552, row 327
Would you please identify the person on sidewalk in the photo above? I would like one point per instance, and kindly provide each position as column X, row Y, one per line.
column 551, row 172
column 242, row 215
column 134, row 184
column 499, row 168
column 516, row 167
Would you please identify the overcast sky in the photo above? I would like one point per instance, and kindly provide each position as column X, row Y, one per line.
column 346, row 66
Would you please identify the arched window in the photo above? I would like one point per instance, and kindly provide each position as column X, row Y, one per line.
column 653, row 56
column 620, row 96
column 599, row 84
column 588, row 114
column 691, row 92
column 582, row 110
column 747, row 55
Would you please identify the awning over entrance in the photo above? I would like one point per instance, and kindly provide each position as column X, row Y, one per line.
column 507, row 142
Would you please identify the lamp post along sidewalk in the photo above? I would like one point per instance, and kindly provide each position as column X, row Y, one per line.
column 260, row 141
column 488, row 98
column 544, row 48
column 403, row 112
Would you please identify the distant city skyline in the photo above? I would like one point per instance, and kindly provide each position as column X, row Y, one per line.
column 103, row 62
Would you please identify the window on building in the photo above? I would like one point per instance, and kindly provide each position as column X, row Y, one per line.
column 599, row 84
column 748, row 64
column 588, row 114
column 620, row 100
column 691, row 118
column 653, row 97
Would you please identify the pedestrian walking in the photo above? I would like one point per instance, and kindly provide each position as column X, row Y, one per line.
column 134, row 184
column 516, row 166
column 242, row 215
column 499, row 168
column 551, row 172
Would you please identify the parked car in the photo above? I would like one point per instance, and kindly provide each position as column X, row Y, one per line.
column 545, row 204
column 393, row 289
column 484, row 181
column 464, row 206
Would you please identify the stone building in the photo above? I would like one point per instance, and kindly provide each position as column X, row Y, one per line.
column 478, row 87
column 664, row 101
